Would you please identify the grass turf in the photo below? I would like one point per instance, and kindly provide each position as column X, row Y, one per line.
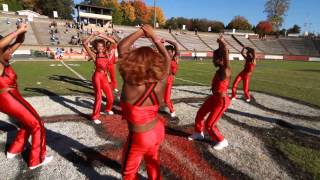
column 292, row 79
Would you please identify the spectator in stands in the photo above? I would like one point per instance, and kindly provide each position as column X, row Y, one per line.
column 245, row 74
column 218, row 102
column 14, row 105
column 144, row 72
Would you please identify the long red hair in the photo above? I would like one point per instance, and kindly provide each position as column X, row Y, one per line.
column 142, row 65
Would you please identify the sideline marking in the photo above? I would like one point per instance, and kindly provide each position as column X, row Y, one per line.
column 191, row 81
column 74, row 72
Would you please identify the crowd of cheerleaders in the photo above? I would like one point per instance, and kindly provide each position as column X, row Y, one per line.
column 148, row 75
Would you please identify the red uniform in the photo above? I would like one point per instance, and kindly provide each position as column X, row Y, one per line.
column 170, row 80
column 101, row 83
column 215, row 105
column 112, row 69
column 14, row 105
column 144, row 143
column 245, row 76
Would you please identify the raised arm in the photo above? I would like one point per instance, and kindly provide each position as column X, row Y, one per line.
column 4, row 42
column 254, row 61
column 148, row 30
column 108, row 38
column 87, row 48
column 176, row 47
column 225, row 51
column 242, row 52
column 124, row 45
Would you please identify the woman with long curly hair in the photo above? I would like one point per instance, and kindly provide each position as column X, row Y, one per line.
column 14, row 105
column 102, row 59
column 144, row 72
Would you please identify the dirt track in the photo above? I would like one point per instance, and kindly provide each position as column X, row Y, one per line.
column 83, row 150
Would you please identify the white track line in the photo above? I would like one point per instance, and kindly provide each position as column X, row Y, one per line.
column 191, row 81
column 74, row 72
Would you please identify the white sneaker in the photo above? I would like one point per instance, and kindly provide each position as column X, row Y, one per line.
column 233, row 99
column 173, row 114
column 196, row 136
column 220, row 145
column 47, row 160
column 109, row 113
column 97, row 121
column 248, row 100
column 11, row 155
column 116, row 90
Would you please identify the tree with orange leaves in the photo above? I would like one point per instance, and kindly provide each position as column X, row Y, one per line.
column 160, row 18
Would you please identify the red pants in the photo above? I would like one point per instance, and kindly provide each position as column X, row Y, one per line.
column 143, row 145
column 13, row 104
column 113, row 79
column 215, row 106
column 100, row 83
column 245, row 76
column 167, row 94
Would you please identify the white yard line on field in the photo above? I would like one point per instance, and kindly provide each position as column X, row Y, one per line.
column 191, row 81
column 74, row 72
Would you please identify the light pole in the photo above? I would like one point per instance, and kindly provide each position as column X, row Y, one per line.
column 155, row 14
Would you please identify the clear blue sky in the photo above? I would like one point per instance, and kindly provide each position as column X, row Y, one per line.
column 300, row 11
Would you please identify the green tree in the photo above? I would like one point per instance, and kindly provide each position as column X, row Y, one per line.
column 63, row 7
column 14, row 5
column 239, row 23
column 216, row 26
column 296, row 29
column 276, row 10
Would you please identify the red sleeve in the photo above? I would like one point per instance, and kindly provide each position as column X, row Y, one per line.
column 174, row 67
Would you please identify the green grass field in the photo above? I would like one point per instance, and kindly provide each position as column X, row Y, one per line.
column 294, row 79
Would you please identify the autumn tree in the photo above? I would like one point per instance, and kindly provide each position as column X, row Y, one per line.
column 263, row 28
column 239, row 23
column 128, row 13
column 117, row 17
column 276, row 10
column 141, row 11
column 159, row 16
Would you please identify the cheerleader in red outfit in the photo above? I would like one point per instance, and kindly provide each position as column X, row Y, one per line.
column 245, row 74
column 173, row 51
column 144, row 72
column 102, row 60
column 111, row 50
column 218, row 102
column 14, row 105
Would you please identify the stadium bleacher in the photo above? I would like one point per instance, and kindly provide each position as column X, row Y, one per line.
column 38, row 34
column 246, row 42
column 210, row 39
column 299, row 46
column 191, row 41
column 270, row 46
column 6, row 28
